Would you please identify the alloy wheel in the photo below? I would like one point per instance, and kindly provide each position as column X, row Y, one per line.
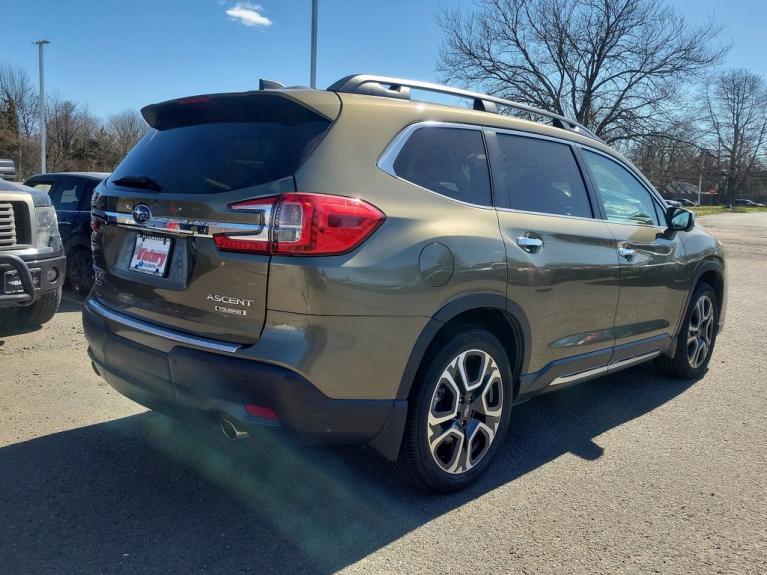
column 700, row 331
column 465, row 411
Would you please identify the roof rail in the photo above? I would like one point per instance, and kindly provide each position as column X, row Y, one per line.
column 400, row 88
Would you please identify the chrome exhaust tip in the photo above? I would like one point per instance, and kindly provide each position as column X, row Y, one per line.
column 232, row 431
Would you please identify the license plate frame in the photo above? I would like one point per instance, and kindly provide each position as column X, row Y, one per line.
column 153, row 262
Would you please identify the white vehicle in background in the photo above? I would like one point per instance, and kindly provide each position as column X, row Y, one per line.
column 32, row 262
column 7, row 169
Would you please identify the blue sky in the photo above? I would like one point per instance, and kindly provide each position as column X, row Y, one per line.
column 117, row 54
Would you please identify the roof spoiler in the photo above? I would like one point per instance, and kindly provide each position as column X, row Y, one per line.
column 264, row 84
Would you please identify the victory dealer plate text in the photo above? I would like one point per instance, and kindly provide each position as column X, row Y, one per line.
column 151, row 255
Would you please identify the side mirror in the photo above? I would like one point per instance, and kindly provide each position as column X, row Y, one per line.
column 679, row 219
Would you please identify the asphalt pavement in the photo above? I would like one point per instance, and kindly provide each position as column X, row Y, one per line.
column 632, row 473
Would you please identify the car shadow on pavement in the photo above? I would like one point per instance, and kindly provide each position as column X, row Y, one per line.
column 71, row 302
column 12, row 326
column 146, row 494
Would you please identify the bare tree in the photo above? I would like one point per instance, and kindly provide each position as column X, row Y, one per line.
column 126, row 128
column 671, row 156
column 69, row 128
column 616, row 66
column 19, row 99
column 737, row 114
column 77, row 140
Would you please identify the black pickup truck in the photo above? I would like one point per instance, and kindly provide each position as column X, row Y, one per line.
column 32, row 262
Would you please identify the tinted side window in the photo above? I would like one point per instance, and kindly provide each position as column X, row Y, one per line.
column 66, row 195
column 540, row 176
column 449, row 161
column 625, row 199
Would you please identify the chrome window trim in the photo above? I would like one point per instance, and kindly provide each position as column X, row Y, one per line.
column 144, row 327
column 550, row 215
column 524, row 134
column 386, row 161
column 388, row 157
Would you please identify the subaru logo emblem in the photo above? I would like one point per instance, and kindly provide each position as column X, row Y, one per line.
column 141, row 214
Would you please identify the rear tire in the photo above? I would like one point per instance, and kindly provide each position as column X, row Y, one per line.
column 459, row 412
column 695, row 341
column 42, row 311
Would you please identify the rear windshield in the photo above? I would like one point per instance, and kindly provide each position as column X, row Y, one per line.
column 217, row 146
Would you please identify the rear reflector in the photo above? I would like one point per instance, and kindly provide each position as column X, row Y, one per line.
column 261, row 411
column 305, row 224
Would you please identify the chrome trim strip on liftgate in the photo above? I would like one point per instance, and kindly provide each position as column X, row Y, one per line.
column 194, row 228
column 138, row 325
column 602, row 369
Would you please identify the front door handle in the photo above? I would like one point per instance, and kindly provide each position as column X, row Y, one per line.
column 530, row 245
column 626, row 253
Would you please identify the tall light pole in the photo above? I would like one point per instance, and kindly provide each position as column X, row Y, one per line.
column 313, row 76
column 40, row 45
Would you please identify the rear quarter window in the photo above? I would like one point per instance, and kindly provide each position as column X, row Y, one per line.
column 449, row 161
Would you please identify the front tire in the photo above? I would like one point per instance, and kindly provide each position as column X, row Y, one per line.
column 696, row 339
column 459, row 412
column 42, row 311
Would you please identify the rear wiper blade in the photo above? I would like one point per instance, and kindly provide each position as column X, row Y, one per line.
column 144, row 182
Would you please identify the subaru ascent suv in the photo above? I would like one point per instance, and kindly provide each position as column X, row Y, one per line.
column 357, row 267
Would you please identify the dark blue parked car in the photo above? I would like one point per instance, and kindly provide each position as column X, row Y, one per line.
column 70, row 194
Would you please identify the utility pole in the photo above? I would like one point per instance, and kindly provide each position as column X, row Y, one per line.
column 313, row 75
column 40, row 45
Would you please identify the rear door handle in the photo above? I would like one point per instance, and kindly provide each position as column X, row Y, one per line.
column 530, row 245
column 626, row 253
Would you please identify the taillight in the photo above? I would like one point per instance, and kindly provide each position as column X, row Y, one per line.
column 254, row 242
column 305, row 224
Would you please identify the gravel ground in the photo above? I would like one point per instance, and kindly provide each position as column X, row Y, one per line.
column 634, row 473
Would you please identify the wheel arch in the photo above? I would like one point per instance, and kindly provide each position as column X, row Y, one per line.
column 711, row 271
column 507, row 321
column 713, row 275
column 493, row 312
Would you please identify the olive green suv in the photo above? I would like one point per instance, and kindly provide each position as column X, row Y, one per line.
column 355, row 266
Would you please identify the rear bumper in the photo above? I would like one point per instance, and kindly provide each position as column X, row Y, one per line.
column 193, row 384
column 34, row 276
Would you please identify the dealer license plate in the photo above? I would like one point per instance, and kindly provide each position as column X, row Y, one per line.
column 151, row 255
